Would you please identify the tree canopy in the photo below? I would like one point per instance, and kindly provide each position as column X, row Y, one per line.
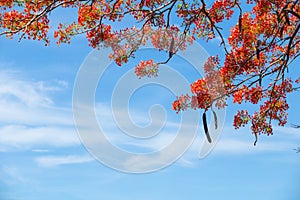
column 261, row 45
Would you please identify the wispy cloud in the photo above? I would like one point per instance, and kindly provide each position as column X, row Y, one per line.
column 22, row 137
column 288, row 131
column 242, row 143
column 54, row 161
column 229, row 144
column 28, row 102
column 16, row 89
column 237, row 146
column 11, row 175
column 31, row 120
column 29, row 117
column 17, row 113
column 40, row 150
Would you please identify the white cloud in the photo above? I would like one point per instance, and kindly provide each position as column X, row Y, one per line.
column 31, row 120
column 170, row 154
column 235, row 146
column 15, row 89
column 28, row 102
column 22, row 137
column 54, row 161
column 11, row 175
column 240, row 142
column 143, row 164
column 40, row 150
column 287, row 131
column 231, row 143
column 17, row 113
column 161, row 134
column 4, row 64
column 29, row 117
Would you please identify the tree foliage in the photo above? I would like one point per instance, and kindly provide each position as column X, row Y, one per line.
column 262, row 43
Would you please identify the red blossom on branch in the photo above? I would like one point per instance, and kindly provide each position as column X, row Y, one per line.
column 258, row 51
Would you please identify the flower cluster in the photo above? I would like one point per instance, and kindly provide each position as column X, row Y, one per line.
column 244, row 94
column 241, row 118
column 260, row 46
column 146, row 68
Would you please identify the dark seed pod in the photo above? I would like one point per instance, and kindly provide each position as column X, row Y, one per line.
column 260, row 79
column 171, row 47
column 215, row 119
column 257, row 53
column 255, row 139
column 240, row 23
column 205, row 127
column 258, row 44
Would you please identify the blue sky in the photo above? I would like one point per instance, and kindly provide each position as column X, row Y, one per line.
column 42, row 157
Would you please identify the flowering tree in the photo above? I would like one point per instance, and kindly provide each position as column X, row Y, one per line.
column 261, row 45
